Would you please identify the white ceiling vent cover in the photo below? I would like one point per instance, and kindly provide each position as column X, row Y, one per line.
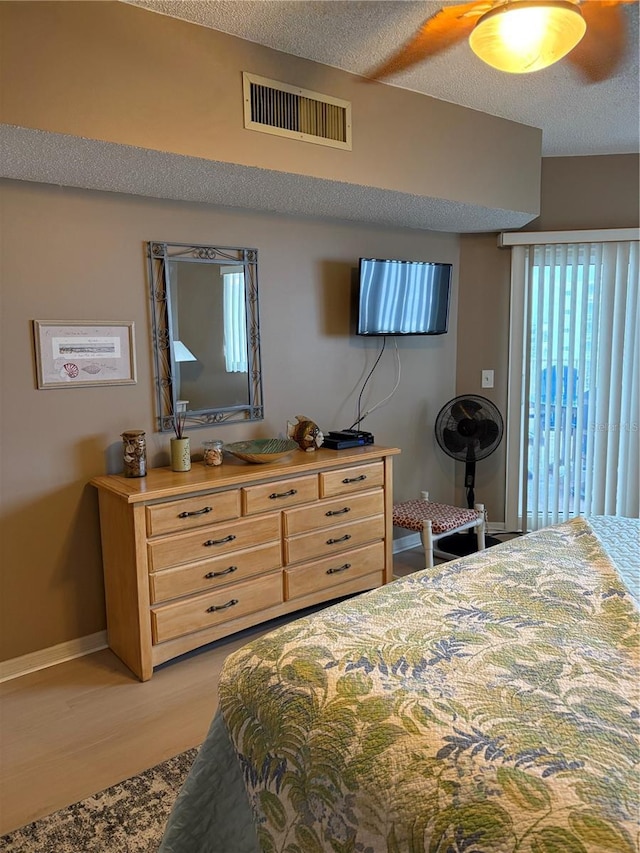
column 273, row 107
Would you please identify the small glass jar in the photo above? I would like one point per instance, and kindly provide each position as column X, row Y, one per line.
column 212, row 452
column 134, row 453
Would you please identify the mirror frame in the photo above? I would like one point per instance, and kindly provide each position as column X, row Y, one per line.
column 160, row 255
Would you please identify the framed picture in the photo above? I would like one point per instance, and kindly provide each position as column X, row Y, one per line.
column 78, row 353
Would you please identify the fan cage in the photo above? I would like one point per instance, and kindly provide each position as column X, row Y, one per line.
column 471, row 406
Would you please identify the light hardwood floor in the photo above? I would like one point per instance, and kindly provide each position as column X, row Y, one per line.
column 73, row 729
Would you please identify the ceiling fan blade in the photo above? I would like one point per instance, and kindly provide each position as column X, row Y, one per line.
column 597, row 56
column 438, row 33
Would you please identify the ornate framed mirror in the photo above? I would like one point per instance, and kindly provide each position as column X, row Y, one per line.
column 206, row 333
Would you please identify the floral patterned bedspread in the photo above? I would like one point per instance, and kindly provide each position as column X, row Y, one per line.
column 487, row 705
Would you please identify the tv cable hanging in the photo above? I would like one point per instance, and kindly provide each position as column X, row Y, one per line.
column 353, row 436
column 380, row 403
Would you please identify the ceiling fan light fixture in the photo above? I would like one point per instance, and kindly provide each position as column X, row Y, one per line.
column 526, row 35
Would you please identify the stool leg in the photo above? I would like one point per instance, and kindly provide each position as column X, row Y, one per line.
column 480, row 528
column 427, row 543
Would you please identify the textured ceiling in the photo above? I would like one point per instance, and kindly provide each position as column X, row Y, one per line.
column 355, row 35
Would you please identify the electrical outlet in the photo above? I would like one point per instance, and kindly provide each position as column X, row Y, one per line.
column 487, row 378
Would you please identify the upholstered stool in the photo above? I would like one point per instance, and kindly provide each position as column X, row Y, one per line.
column 433, row 521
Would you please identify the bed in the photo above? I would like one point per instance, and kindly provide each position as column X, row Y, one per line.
column 487, row 705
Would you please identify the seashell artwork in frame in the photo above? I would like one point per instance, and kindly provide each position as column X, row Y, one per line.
column 77, row 353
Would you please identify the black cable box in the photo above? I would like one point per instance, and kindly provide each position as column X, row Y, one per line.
column 341, row 439
column 366, row 437
column 341, row 443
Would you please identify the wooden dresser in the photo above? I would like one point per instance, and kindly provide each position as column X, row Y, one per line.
column 192, row 557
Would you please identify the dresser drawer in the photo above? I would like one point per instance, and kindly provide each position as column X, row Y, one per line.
column 212, row 608
column 323, row 543
column 347, row 480
column 322, row 574
column 330, row 513
column 211, row 541
column 188, row 513
column 282, row 493
column 210, row 574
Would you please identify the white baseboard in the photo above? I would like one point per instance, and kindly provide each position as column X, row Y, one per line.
column 43, row 658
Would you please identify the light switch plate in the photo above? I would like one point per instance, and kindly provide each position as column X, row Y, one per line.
column 487, row 378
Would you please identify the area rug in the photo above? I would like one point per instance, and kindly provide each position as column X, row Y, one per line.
column 126, row 818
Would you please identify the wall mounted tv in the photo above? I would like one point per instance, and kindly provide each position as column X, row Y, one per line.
column 403, row 297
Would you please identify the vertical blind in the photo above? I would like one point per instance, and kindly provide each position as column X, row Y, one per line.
column 235, row 323
column 578, row 433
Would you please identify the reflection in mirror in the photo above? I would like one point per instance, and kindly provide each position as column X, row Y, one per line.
column 206, row 335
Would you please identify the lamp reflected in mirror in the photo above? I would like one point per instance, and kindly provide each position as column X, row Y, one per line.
column 182, row 353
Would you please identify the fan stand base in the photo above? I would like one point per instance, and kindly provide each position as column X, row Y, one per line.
column 462, row 544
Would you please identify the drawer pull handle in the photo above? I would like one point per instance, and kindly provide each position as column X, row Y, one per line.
column 355, row 479
column 197, row 512
column 341, row 539
column 288, row 494
column 228, row 571
column 230, row 603
column 209, row 542
column 338, row 511
column 340, row 569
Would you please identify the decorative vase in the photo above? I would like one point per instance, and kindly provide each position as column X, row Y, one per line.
column 134, row 453
column 180, row 454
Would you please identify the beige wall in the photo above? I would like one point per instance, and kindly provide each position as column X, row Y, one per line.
column 577, row 193
column 589, row 192
column 74, row 254
column 115, row 72
column 110, row 71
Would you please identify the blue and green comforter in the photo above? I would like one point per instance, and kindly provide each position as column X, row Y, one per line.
column 487, row 705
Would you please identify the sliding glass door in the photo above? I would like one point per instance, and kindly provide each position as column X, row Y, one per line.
column 572, row 446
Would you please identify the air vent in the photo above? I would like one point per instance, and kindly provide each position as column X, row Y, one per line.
column 273, row 107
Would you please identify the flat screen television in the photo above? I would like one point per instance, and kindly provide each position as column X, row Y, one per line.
column 403, row 297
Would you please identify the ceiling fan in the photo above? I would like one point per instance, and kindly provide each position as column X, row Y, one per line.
column 520, row 36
